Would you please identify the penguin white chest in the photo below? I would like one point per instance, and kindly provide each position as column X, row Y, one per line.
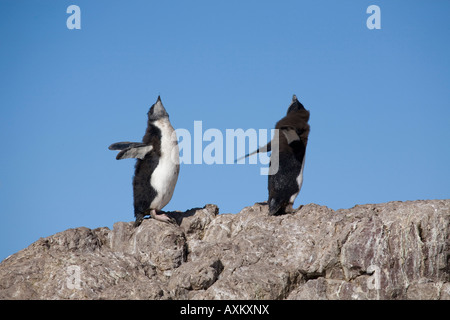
column 299, row 181
column 165, row 176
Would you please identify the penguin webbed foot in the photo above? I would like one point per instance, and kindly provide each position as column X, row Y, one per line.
column 162, row 217
column 155, row 215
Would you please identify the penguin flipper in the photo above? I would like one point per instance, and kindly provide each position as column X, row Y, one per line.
column 134, row 152
column 266, row 148
column 125, row 145
column 291, row 134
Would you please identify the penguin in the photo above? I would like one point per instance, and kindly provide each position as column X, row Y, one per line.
column 286, row 176
column 157, row 165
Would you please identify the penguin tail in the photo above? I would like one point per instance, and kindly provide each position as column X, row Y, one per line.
column 138, row 221
column 275, row 207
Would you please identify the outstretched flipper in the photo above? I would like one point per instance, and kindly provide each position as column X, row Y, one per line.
column 130, row 150
column 134, row 152
column 266, row 148
column 125, row 145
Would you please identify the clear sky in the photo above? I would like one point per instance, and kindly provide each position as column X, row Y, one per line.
column 379, row 102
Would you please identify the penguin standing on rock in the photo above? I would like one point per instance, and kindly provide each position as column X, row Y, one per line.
column 157, row 165
column 287, row 159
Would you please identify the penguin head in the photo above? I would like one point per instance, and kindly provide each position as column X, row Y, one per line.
column 295, row 105
column 157, row 111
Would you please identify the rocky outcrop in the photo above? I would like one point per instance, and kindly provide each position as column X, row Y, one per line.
column 395, row 250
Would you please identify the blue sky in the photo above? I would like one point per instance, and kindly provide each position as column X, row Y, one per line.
column 379, row 102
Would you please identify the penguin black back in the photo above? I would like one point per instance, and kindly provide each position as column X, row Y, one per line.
column 157, row 164
column 143, row 191
column 285, row 183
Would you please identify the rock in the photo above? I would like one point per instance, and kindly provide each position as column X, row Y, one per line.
column 395, row 250
column 198, row 275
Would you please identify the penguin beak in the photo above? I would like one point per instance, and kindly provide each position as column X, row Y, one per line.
column 159, row 107
column 157, row 111
column 295, row 105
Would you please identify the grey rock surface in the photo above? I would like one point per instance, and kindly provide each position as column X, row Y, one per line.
column 395, row 250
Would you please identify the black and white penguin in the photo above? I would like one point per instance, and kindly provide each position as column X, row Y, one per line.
column 157, row 165
column 287, row 160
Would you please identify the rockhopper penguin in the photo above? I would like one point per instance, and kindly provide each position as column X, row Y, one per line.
column 157, row 165
column 286, row 177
